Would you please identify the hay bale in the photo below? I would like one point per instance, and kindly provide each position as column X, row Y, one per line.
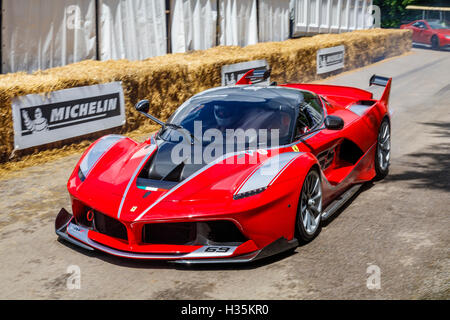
column 169, row 80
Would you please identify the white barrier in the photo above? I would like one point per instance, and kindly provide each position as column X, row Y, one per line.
column 193, row 24
column 238, row 22
column 131, row 29
column 42, row 34
column 330, row 16
column 273, row 17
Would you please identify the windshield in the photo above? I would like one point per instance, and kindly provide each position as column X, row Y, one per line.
column 262, row 120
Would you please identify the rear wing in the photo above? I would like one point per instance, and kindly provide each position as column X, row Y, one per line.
column 254, row 76
column 383, row 82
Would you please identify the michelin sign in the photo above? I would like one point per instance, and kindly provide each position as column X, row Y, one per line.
column 40, row 119
column 330, row 59
column 233, row 72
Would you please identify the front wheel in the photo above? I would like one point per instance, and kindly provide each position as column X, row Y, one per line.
column 309, row 212
column 435, row 43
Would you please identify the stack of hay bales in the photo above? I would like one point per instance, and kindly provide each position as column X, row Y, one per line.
column 169, row 80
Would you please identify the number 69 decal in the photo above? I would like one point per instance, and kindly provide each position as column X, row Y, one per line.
column 213, row 251
column 217, row 249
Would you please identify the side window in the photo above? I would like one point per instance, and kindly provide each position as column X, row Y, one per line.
column 417, row 25
column 312, row 108
column 310, row 113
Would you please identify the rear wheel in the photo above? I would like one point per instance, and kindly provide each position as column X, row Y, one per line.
column 309, row 212
column 435, row 43
column 383, row 153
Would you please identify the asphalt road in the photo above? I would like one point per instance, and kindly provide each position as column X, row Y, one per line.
column 399, row 226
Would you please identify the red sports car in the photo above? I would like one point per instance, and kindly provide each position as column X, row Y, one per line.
column 237, row 173
column 433, row 33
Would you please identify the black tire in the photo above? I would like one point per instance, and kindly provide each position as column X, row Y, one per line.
column 306, row 203
column 383, row 152
column 435, row 43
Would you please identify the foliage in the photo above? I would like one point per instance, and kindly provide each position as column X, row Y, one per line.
column 394, row 13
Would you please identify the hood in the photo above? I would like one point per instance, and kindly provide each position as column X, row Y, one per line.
column 131, row 179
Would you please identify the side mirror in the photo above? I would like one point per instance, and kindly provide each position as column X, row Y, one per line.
column 334, row 123
column 143, row 106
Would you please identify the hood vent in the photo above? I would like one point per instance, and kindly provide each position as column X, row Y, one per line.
column 175, row 174
column 161, row 172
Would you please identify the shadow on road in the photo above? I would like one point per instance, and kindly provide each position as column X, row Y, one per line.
column 430, row 168
column 424, row 47
column 366, row 186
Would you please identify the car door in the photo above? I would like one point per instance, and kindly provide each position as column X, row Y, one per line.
column 426, row 34
column 311, row 116
column 337, row 151
column 422, row 34
column 416, row 31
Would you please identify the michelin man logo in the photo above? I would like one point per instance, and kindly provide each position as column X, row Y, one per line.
column 39, row 123
column 230, row 79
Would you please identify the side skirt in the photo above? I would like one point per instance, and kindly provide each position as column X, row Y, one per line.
column 339, row 202
column 421, row 44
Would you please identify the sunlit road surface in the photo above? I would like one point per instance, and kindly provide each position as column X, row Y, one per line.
column 399, row 227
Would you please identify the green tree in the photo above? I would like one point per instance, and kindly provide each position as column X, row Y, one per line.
column 394, row 13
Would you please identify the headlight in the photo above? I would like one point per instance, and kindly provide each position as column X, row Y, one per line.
column 447, row 37
column 265, row 175
column 95, row 153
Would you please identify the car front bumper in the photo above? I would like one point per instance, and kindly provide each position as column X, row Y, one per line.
column 67, row 229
